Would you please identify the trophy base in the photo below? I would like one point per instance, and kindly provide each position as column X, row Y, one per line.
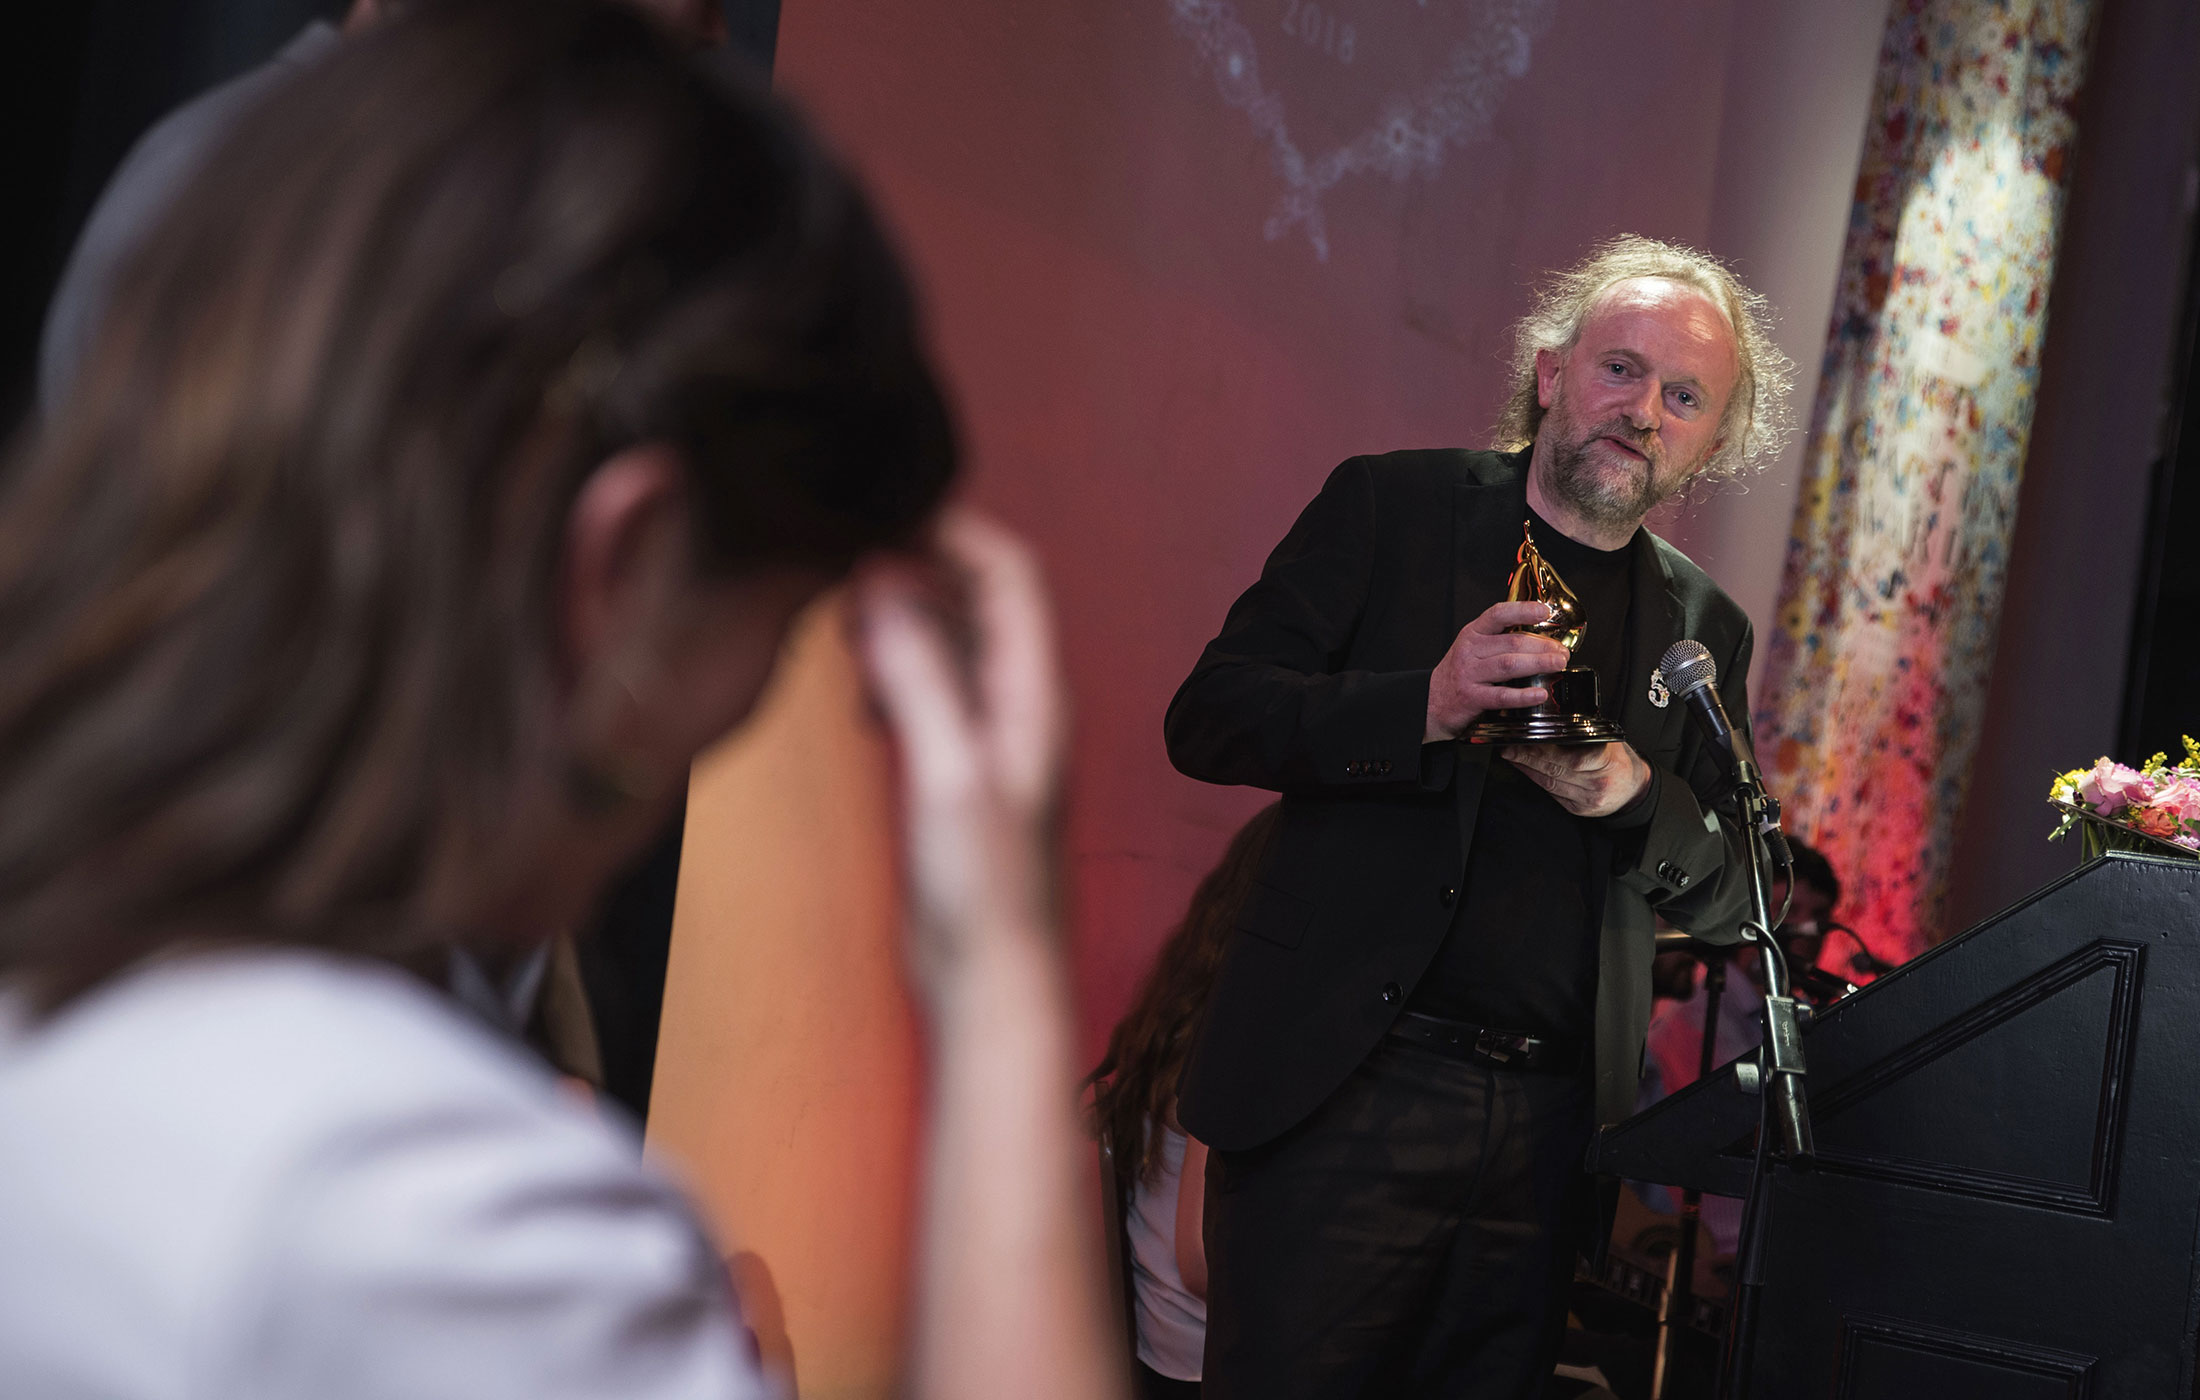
column 1568, row 717
column 1533, row 728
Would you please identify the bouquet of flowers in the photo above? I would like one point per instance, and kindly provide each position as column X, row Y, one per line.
column 2155, row 807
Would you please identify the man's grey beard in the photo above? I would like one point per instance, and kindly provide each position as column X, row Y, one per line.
column 1610, row 504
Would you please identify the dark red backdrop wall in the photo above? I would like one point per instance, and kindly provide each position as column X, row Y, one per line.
column 1151, row 384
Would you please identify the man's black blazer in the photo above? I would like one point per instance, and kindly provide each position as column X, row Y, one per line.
column 1317, row 687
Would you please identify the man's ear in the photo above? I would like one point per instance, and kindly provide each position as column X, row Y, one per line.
column 1548, row 363
column 626, row 538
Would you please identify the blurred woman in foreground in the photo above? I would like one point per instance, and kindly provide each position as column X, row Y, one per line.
column 445, row 476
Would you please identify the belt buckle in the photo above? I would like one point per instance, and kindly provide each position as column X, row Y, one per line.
column 1503, row 1049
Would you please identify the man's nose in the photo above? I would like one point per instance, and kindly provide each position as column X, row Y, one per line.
column 1646, row 411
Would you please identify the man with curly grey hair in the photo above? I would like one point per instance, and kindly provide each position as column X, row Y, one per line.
column 1755, row 422
column 1442, row 982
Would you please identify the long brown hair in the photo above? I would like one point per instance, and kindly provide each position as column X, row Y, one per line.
column 1137, row 1078
column 276, row 583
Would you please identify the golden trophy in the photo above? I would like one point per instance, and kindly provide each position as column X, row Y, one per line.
column 1568, row 714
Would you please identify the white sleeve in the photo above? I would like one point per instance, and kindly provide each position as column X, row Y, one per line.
column 477, row 1250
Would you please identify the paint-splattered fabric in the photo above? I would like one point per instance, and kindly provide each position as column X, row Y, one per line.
column 1893, row 582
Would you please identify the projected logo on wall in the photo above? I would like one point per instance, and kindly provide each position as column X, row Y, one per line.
column 1385, row 86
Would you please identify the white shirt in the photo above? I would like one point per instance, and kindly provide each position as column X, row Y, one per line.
column 279, row 1173
column 1172, row 1321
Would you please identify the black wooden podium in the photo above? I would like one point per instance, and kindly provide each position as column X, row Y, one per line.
column 2006, row 1204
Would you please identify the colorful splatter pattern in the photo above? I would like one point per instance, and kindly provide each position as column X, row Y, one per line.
column 1893, row 580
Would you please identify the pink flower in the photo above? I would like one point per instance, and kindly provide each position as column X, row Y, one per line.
column 2111, row 787
column 2180, row 797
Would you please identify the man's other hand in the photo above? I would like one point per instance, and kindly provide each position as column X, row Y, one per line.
column 1468, row 680
column 1589, row 781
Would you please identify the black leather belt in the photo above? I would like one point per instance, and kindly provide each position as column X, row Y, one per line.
column 1515, row 1050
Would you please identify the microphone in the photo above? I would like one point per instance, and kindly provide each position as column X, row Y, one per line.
column 1690, row 674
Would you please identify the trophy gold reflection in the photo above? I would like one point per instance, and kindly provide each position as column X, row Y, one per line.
column 1568, row 714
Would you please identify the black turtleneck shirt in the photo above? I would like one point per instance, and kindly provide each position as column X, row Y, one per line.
column 1521, row 954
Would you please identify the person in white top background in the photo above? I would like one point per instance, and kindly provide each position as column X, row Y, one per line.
column 441, row 476
column 1161, row 1172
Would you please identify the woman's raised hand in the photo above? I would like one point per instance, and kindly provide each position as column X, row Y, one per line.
column 959, row 653
column 958, row 648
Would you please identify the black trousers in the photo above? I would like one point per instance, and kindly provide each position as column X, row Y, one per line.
column 1413, row 1238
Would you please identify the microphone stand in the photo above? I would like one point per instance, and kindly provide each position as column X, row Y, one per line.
column 1680, row 1285
column 1783, row 1112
